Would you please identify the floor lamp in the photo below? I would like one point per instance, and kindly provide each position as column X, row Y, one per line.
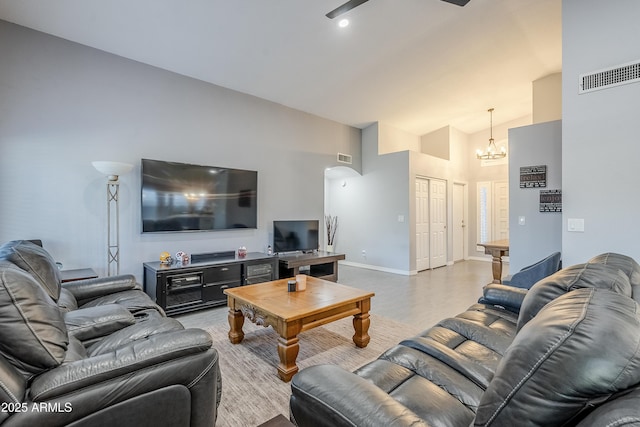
column 113, row 170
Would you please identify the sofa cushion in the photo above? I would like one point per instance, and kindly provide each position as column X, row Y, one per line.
column 134, row 300
column 623, row 411
column 580, row 348
column 12, row 387
column 588, row 275
column 33, row 336
column 628, row 265
column 96, row 322
column 36, row 261
column 67, row 301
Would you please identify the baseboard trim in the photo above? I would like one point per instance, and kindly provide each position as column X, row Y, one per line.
column 378, row 268
column 505, row 260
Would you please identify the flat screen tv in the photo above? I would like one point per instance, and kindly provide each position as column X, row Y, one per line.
column 186, row 197
column 290, row 236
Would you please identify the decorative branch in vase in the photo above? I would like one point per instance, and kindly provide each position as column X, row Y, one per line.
column 331, row 223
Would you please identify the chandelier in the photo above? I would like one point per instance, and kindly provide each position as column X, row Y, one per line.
column 492, row 152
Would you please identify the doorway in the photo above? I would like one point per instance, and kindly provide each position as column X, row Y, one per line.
column 493, row 211
column 501, row 211
column 459, row 221
column 422, row 224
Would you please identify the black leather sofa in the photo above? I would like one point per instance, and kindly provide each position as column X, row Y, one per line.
column 119, row 362
column 566, row 352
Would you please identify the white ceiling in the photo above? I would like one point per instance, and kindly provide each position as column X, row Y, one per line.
column 417, row 65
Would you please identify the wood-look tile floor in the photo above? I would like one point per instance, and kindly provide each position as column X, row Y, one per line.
column 422, row 299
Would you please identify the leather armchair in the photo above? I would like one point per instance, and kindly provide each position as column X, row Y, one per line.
column 122, row 290
column 147, row 373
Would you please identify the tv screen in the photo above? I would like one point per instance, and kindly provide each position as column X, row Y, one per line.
column 185, row 197
column 289, row 236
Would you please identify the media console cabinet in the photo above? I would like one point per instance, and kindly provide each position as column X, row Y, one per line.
column 179, row 288
column 317, row 264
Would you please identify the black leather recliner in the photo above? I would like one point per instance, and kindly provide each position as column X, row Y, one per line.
column 106, row 370
column 122, row 290
column 544, row 357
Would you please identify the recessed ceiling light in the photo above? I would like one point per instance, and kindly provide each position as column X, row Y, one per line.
column 343, row 23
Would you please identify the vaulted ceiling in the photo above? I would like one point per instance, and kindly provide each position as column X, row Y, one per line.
column 417, row 65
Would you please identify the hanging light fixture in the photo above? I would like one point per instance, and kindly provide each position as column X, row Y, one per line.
column 492, row 152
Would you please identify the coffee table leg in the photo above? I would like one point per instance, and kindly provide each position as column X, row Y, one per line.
column 288, row 352
column 236, row 320
column 361, row 324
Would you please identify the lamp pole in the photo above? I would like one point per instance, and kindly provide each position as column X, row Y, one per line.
column 113, row 234
column 113, row 170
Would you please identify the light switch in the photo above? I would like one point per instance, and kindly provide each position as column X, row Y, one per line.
column 400, row 218
column 522, row 220
column 575, row 224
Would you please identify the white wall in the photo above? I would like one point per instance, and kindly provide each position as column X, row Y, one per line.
column 454, row 170
column 392, row 140
column 437, row 143
column 600, row 130
column 63, row 105
column 478, row 173
column 547, row 98
column 541, row 234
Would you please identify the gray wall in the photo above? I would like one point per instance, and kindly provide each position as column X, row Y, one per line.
column 541, row 235
column 368, row 207
column 63, row 105
column 377, row 210
column 600, row 148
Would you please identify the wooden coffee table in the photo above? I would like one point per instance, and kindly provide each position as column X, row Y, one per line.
column 289, row 313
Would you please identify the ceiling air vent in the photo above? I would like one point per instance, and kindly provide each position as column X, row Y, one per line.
column 345, row 158
column 610, row 77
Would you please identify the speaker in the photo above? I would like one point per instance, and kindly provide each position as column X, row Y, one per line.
column 211, row 256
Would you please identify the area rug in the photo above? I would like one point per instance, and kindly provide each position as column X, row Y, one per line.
column 252, row 392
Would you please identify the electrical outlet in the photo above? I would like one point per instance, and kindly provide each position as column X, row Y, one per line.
column 364, row 253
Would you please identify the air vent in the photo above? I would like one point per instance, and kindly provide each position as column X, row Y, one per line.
column 610, row 77
column 345, row 158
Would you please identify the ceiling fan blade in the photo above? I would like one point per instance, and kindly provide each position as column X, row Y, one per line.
column 346, row 8
column 458, row 2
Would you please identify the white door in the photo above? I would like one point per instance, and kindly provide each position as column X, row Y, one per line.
column 459, row 226
column 422, row 224
column 438, row 223
column 501, row 210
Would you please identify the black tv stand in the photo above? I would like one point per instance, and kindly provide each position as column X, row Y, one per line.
column 181, row 288
column 317, row 264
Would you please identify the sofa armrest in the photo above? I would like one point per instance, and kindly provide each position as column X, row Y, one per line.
column 154, row 352
column 93, row 288
column 95, row 322
column 505, row 296
column 327, row 395
column 165, row 381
